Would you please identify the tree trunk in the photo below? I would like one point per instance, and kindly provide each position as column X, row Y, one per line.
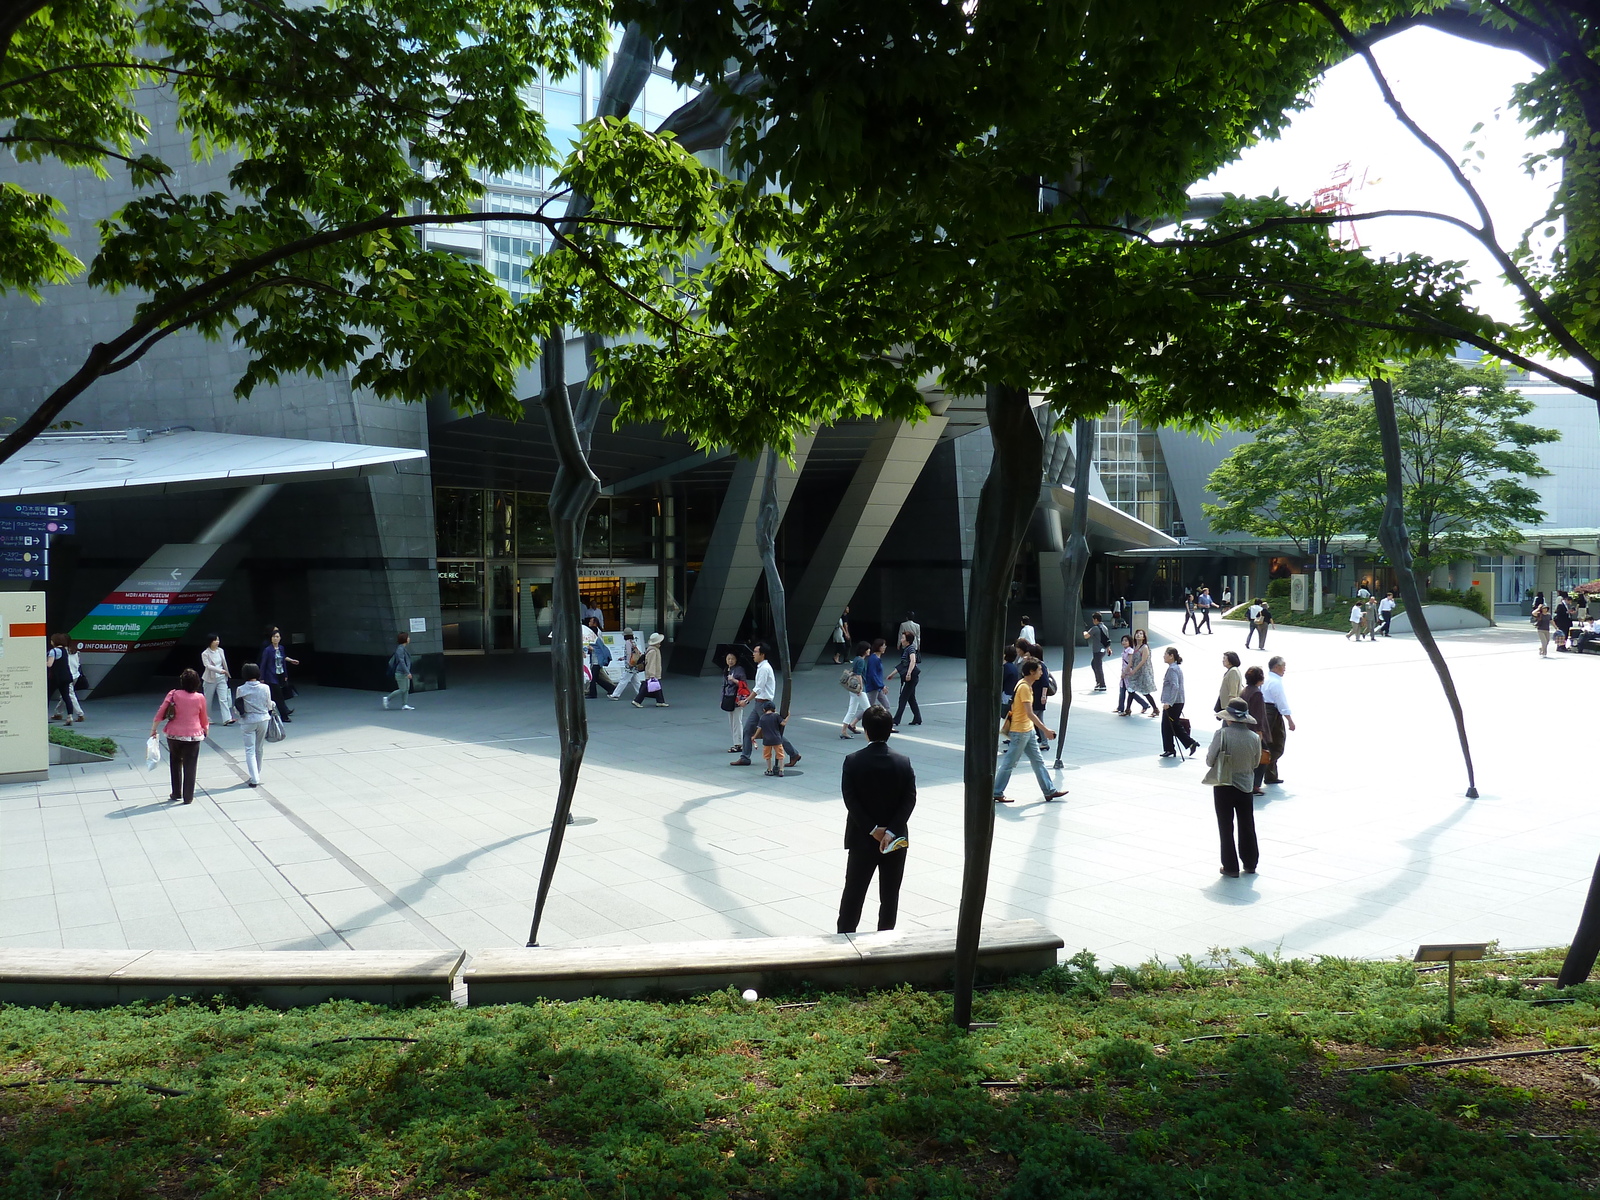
column 1586, row 942
column 767, row 540
column 573, row 494
column 1074, row 562
column 1396, row 544
column 1009, row 496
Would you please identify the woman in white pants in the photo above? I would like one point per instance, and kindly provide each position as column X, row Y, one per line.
column 255, row 705
column 214, row 679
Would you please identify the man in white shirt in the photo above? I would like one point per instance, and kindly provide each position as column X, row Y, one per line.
column 1279, row 717
column 1250, row 630
column 910, row 625
column 1386, row 612
column 1355, row 622
column 1362, row 593
column 764, row 688
column 1026, row 633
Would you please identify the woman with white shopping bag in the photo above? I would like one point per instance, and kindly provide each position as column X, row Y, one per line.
column 254, row 702
column 184, row 710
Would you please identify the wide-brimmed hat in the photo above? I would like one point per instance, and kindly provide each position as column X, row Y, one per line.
column 1236, row 710
column 655, row 640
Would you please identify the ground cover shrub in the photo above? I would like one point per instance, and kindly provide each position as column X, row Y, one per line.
column 1467, row 598
column 61, row 736
column 1222, row 1077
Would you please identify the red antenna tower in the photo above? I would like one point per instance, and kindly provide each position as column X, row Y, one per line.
column 1335, row 198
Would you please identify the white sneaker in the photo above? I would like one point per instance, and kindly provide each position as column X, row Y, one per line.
column 408, row 707
column 386, row 702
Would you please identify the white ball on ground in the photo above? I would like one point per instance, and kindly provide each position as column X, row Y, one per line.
column 750, row 994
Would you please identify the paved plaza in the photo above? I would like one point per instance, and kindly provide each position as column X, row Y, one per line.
column 378, row 830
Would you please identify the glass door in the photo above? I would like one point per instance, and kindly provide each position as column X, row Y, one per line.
column 502, row 607
column 534, row 599
column 461, row 605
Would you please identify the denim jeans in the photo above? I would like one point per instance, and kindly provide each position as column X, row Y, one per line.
column 1022, row 743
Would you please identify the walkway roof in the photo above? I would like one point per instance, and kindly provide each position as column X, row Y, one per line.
column 86, row 465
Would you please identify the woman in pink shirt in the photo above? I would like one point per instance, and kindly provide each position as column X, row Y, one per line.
column 184, row 708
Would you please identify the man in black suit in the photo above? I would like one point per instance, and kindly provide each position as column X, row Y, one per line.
column 880, row 790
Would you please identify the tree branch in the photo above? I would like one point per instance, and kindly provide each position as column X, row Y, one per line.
column 13, row 16
column 1485, row 234
column 102, row 355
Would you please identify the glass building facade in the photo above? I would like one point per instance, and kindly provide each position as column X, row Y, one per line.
column 497, row 561
column 1134, row 471
column 505, row 248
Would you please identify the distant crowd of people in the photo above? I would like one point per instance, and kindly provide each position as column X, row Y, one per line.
column 1571, row 624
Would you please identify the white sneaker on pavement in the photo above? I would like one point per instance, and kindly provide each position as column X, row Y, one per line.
column 386, row 702
column 409, row 707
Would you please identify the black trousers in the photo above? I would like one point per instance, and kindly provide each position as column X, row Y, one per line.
column 1205, row 615
column 1099, row 671
column 184, row 759
column 908, row 695
column 1236, row 808
column 1190, row 618
column 891, row 869
column 1169, row 727
column 1387, row 617
column 1275, row 742
column 280, row 694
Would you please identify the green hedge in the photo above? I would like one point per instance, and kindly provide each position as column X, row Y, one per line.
column 61, row 736
column 1468, row 599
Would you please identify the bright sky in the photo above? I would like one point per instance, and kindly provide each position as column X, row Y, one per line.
column 1448, row 86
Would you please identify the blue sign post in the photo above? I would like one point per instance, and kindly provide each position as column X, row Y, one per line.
column 25, row 531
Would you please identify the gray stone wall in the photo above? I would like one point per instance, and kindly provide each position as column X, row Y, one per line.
column 346, row 562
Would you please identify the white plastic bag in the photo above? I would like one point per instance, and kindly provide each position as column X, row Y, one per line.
column 152, row 753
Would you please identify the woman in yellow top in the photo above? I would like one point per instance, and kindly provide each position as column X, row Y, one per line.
column 1023, row 725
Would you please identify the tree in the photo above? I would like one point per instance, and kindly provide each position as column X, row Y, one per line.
column 1465, row 456
column 310, row 259
column 1304, row 478
column 972, row 190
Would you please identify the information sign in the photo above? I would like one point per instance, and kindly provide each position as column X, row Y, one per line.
column 22, row 540
column 9, row 571
column 37, row 512
column 39, row 558
column 24, row 744
column 36, row 526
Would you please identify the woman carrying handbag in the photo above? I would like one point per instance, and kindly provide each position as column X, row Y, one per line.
column 258, row 716
column 652, row 674
column 187, row 722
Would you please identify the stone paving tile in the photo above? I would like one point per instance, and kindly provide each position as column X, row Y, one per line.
column 1368, row 849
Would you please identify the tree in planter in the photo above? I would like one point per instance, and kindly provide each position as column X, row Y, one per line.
column 1304, row 477
column 1465, row 455
column 971, row 272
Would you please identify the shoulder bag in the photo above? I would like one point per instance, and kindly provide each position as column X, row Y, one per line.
column 275, row 731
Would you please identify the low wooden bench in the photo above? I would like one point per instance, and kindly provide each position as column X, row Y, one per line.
column 919, row 957
column 282, row 979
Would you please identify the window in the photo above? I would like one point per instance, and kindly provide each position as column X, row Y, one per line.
column 458, row 522
column 535, row 536
column 1134, row 471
